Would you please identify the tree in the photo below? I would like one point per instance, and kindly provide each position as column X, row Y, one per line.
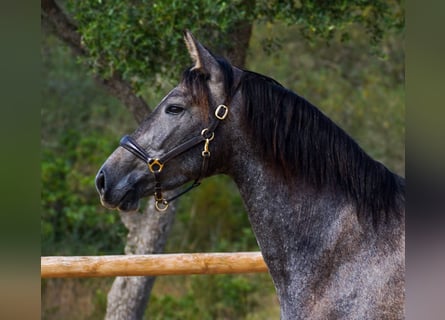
column 131, row 45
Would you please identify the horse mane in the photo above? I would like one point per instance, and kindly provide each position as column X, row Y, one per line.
column 298, row 139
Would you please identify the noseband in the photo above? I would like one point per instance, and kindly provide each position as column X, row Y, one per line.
column 155, row 165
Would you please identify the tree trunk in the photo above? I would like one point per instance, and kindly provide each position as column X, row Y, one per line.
column 128, row 297
column 239, row 40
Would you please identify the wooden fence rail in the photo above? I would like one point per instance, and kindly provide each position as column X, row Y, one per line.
column 152, row 265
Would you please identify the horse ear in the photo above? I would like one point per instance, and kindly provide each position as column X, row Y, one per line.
column 202, row 58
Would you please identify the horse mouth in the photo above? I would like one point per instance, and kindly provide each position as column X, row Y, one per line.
column 128, row 203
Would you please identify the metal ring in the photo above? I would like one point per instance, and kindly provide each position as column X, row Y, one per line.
column 161, row 205
column 205, row 131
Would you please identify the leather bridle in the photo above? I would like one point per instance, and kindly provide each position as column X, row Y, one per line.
column 155, row 165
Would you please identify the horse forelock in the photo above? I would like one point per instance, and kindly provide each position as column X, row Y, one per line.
column 298, row 140
column 196, row 83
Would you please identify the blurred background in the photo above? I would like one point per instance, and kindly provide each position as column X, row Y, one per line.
column 357, row 83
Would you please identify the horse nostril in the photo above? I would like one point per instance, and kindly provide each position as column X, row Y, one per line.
column 100, row 182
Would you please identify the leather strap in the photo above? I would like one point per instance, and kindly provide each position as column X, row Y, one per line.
column 129, row 144
column 156, row 165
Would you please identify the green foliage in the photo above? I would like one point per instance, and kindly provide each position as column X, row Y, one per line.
column 167, row 307
column 325, row 19
column 78, row 133
column 212, row 223
column 100, row 304
column 72, row 220
column 207, row 297
column 140, row 39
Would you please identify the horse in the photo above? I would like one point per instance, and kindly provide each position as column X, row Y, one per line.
column 329, row 219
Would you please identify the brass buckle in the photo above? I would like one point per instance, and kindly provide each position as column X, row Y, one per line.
column 206, row 152
column 225, row 112
column 155, row 166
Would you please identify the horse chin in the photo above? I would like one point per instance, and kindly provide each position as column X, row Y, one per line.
column 129, row 203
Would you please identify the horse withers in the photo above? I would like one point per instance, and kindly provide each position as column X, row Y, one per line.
column 328, row 218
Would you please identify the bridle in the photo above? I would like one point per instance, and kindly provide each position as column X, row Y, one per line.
column 155, row 165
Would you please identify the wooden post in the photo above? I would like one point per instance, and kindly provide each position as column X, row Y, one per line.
column 152, row 265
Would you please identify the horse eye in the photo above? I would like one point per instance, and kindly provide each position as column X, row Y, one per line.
column 173, row 109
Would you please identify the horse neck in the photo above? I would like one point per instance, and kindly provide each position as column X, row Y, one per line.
column 295, row 225
column 310, row 237
column 287, row 210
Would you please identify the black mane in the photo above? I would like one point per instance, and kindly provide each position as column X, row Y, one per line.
column 298, row 139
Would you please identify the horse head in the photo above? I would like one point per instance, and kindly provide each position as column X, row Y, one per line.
column 179, row 141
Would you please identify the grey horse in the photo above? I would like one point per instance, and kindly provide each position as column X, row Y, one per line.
column 328, row 218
